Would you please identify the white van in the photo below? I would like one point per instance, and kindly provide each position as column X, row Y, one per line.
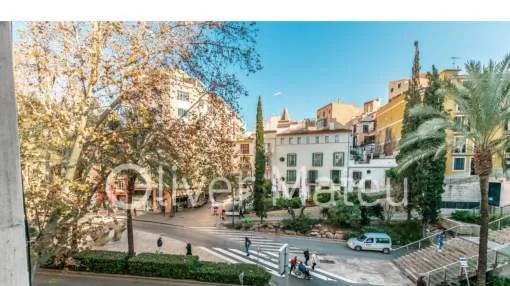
column 371, row 241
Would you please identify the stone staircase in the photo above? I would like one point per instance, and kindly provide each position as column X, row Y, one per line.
column 501, row 236
column 427, row 259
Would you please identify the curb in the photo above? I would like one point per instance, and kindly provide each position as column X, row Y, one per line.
column 170, row 281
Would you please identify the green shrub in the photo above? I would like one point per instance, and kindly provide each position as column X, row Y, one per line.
column 102, row 261
column 301, row 224
column 229, row 273
column 350, row 234
column 326, row 197
column 465, row 216
column 344, row 215
column 268, row 204
column 405, row 232
column 163, row 265
column 294, row 203
column 500, row 281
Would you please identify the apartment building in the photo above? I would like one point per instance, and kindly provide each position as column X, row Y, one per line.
column 364, row 130
column 337, row 111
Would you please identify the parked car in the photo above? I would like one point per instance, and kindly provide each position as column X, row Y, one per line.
column 371, row 241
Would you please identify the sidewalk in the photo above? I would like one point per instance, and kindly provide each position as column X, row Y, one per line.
column 146, row 242
column 194, row 217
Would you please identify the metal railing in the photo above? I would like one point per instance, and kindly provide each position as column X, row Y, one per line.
column 453, row 272
column 499, row 223
column 462, row 229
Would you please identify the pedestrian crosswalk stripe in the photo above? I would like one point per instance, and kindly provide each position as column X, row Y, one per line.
column 242, row 259
column 271, row 253
column 218, row 255
column 334, row 275
column 270, row 264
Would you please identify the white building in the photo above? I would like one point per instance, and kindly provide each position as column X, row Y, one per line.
column 370, row 175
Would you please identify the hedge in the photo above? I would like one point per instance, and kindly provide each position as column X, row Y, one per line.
column 102, row 261
column 229, row 273
column 163, row 265
column 170, row 266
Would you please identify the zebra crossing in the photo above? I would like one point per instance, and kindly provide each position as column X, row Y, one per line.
column 263, row 252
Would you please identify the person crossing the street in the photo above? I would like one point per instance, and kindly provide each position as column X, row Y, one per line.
column 306, row 253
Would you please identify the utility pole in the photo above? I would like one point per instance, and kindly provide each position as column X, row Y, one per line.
column 14, row 266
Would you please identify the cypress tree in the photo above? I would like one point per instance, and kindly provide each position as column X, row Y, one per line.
column 431, row 175
column 260, row 165
column 410, row 124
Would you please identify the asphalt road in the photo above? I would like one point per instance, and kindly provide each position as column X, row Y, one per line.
column 322, row 247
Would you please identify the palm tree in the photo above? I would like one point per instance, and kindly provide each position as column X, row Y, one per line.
column 484, row 98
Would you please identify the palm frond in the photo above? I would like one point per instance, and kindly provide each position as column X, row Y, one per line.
column 414, row 157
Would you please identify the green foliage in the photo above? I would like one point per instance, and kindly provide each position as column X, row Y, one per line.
column 350, row 234
column 344, row 215
column 294, row 203
column 260, row 166
column 171, row 266
column 326, row 197
column 229, row 273
column 404, row 232
column 102, row 261
column 465, row 216
column 301, row 224
column 163, row 265
column 500, row 281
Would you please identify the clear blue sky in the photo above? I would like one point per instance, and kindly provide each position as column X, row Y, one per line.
column 313, row 63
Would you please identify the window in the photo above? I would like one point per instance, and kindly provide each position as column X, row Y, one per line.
column 382, row 240
column 326, row 139
column 268, row 147
column 291, row 176
column 356, row 175
column 335, row 176
column 337, row 138
column 324, row 114
column 457, row 108
column 459, row 120
column 307, row 140
column 290, row 140
column 399, row 85
column 181, row 112
column 312, row 176
column 472, row 167
column 365, row 128
column 391, row 89
column 120, row 184
column 291, row 160
column 245, row 148
column 299, row 140
column 459, row 144
column 282, row 141
column 316, row 139
column 459, row 163
column 338, row 159
column 317, row 159
column 182, row 95
column 369, row 240
column 368, row 185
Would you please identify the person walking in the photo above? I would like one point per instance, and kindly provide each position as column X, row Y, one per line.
column 421, row 281
column 440, row 241
column 307, row 255
column 223, row 214
column 247, row 243
column 293, row 263
column 159, row 244
column 188, row 248
column 314, row 260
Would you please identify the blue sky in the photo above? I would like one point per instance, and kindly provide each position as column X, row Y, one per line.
column 313, row 63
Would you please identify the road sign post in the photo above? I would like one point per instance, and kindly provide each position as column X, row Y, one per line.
column 282, row 258
column 464, row 268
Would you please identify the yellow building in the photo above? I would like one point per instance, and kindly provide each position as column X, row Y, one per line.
column 389, row 125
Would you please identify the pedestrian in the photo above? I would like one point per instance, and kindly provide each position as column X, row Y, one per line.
column 134, row 211
column 421, row 281
column 188, row 248
column 293, row 263
column 241, row 215
column 307, row 255
column 163, row 209
column 247, row 243
column 440, row 241
column 159, row 244
column 223, row 214
column 314, row 260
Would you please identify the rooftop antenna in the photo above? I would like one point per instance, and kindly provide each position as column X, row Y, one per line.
column 453, row 62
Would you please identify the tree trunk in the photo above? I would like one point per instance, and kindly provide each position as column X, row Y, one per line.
column 483, row 166
column 131, row 191
column 484, row 230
